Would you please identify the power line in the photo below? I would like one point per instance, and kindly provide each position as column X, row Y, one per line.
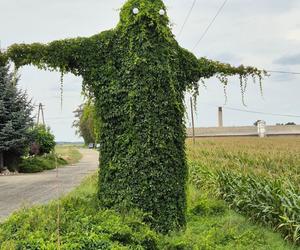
column 283, row 72
column 263, row 113
column 252, row 111
column 210, row 24
column 187, row 17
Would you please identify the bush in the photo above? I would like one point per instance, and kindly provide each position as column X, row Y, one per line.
column 36, row 164
column 43, row 141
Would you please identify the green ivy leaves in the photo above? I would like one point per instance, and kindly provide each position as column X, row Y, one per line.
column 137, row 74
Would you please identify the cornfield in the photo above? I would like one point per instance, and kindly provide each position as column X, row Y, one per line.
column 256, row 177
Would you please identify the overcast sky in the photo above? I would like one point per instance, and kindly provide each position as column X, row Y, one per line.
column 263, row 33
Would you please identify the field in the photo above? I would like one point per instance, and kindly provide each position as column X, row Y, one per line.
column 259, row 178
column 275, row 157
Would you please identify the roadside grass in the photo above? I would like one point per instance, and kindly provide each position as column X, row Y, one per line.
column 69, row 153
column 85, row 225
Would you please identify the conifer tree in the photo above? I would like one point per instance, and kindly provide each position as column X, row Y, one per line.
column 15, row 117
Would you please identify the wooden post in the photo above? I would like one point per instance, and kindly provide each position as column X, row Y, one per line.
column 42, row 112
column 38, row 117
column 192, row 116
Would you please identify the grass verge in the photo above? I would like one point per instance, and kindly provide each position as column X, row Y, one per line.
column 85, row 225
column 69, row 153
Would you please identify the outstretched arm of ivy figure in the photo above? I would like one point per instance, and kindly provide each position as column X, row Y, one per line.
column 203, row 68
column 222, row 71
column 60, row 55
column 68, row 55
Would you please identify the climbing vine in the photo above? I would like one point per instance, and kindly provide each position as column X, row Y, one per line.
column 137, row 74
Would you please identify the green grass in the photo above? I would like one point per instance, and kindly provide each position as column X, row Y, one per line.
column 85, row 225
column 82, row 225
column 69, row 153
column 212, row 225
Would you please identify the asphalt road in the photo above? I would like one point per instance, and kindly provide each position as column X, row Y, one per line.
column 29, row 189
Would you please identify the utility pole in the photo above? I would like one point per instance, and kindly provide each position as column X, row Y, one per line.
column 40, row 112
column 192, row 116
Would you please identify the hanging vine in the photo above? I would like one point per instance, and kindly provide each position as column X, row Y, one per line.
column 137, row 74
column 61, row 88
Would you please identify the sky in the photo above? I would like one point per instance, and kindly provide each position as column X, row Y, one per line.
column 265, row 34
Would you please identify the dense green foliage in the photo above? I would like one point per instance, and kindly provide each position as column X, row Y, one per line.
column 43, row 140
column 87, row 123
column 34, row 164
column 253, row 178
column 85, row 225
column 15, row 119
column 137, row 74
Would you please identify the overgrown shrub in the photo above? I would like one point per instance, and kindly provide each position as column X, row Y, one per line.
column 34, row 164
column 43, row 141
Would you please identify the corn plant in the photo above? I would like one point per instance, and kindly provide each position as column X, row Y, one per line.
column 272, row 203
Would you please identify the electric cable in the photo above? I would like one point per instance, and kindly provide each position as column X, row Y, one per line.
column 187, row 17
column 210, row 24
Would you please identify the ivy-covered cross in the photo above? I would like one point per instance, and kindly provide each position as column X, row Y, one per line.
column 137, row 74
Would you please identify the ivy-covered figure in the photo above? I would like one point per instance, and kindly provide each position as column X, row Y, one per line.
column 137, row 74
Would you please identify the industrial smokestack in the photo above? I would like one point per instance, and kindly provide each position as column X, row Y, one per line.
column 220, row 116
